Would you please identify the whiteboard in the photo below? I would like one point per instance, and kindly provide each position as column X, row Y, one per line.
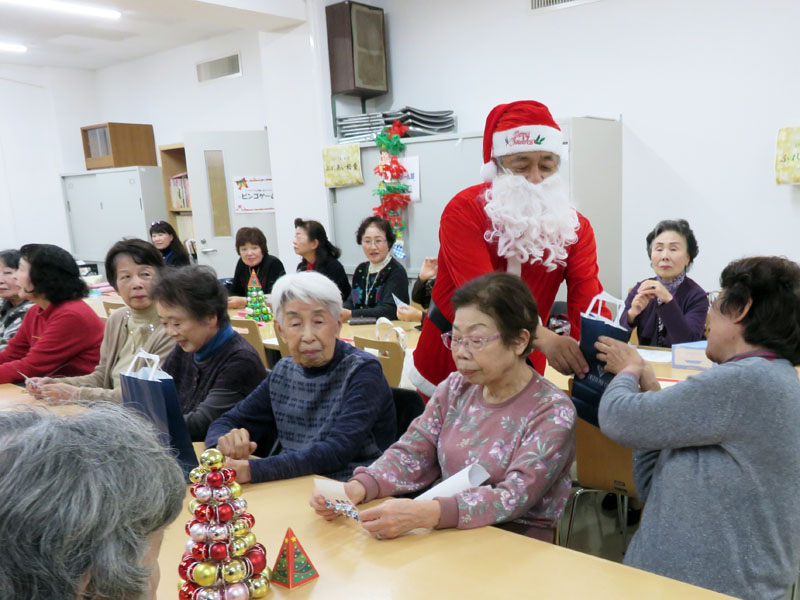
column 448, row 163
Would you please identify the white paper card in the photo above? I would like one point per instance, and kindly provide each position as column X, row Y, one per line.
column 398, row 302
column 467, row 478
column 411, row 177
column 329, row 489
column 656, row 356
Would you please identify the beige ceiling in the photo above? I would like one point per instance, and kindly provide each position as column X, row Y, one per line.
column 147, row 26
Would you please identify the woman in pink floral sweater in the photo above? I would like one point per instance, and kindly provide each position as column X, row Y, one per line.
column 496, row 411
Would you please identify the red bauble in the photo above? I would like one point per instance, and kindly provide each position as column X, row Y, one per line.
column 251, row 520
column 215, row 479
column 229, row 474
column 187, row 591
column 201, row 512
column 183, row 567
column 257, row 558
column 218, row 551
column 225, row 512
column 200, row 550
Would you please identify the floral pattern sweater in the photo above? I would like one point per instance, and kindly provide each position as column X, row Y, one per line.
column 527, row 445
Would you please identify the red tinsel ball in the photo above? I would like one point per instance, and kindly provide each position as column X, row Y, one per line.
column 183, row 567
column 251, row 520
column 229, row 474
column 257, row 558
column 218, row 551
column 225, row 512
column 187, row 591
column 215, row 479
column 200, row 551
column 201, row 512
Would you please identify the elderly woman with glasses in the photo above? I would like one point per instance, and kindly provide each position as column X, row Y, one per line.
column 378, row 280
column 495, row 411
column 717, row 457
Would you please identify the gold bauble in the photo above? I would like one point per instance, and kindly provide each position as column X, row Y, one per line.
column 238, row 547
column 236, row 489
column 212, row 459
column 196, row 475
column 259, row 586
column 205, row 574
column 192, row 505
column 240, row 527
column 250, row 539
column 233, row 571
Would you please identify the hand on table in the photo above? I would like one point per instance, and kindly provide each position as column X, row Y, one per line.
column 346, row 314
column 237, row 302
column 33, row 385
column 409, row 313
column 429, row 268
column 58, row 393
column 242, row 468
column 562, row 352
column 236, row 444
column 355, row 492
column 395, row 517
column 618, row 356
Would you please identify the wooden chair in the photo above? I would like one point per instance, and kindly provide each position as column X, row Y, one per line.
column 391, row 355
column 249, row 331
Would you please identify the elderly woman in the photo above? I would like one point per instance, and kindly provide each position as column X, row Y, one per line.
column 12, row 305
column 251, row 246
column 319, row 254
column 380, row 278
column 61, row 333
column 495, row 411
column 86, row 498
column 212, row 365
column 132, row 266
column 328, row 404
column 167, row 241
column 671, row 308
column 717, row 457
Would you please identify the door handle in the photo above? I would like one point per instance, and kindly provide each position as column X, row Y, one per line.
column 207, row 250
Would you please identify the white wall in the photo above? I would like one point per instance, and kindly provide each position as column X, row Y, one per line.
column 702, row 88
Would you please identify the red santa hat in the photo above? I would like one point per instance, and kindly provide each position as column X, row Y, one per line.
column 522, row 126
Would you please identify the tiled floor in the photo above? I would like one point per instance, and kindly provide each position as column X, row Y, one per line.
column 595, row 530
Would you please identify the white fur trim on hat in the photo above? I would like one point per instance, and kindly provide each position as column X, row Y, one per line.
column 527, row 138
column 488, row 171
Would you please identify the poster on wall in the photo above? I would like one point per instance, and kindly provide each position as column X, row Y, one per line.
column 253, row 194
column 411, row 176
column 342, row 165
column 787, row 156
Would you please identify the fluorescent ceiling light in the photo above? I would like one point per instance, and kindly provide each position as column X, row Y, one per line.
column 8, row 47
column 68, row 7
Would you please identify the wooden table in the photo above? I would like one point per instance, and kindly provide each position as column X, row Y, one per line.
column 478, row 563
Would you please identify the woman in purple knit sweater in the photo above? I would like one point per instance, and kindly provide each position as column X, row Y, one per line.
column 669, row 308
column 495, row 411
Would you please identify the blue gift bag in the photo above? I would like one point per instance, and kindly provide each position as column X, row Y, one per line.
column 152, row 393
column 586, row 392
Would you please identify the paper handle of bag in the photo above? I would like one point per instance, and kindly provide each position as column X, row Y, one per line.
column 152, row 361
column 609, row 299
column 400, row 334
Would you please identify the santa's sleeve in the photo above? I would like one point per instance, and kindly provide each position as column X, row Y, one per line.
column 581, row 276
column 462, row 248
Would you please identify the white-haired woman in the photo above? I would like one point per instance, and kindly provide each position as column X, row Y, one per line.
column 86, row 498
column 328, row 404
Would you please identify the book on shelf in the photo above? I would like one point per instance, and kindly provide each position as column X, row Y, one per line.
column 180, row 199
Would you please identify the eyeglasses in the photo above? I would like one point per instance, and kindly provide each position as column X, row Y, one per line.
column 471, row 343
column 713, row 297
column 154, row 223
column 378, row 242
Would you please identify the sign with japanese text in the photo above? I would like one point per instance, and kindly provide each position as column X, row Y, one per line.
column 787, row 157
column 253, row 194
column 342, row 165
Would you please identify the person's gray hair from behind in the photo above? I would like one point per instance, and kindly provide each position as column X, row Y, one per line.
column 82, row 494
column 309, row 287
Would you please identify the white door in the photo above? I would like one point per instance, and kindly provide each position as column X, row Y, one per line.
column 213, row 161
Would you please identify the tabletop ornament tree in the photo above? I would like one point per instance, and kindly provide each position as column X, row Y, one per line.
column 393, row 194
column 257, row 308
column 222, row 561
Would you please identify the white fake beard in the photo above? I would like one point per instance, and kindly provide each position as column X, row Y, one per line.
column 533, row 222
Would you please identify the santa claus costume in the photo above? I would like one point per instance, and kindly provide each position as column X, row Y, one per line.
column 535, row 234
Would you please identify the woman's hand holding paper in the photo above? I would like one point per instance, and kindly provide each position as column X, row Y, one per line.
column 395, row 517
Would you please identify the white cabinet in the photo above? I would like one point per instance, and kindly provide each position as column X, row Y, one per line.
column 107, row 205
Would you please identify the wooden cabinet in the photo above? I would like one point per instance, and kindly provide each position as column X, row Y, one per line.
column 118, row 145
column 105, row 206
column 177, row 192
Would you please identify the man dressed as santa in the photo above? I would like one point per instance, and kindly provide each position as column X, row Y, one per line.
column 519, row 221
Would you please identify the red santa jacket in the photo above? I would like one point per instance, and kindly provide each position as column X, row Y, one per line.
column 64, row 338
column 464, row 254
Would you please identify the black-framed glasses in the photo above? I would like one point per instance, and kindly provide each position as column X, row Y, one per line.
column 471, row 343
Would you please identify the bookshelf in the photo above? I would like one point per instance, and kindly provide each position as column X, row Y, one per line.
column 177, row 194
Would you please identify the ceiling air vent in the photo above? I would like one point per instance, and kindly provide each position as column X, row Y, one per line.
column 554, row 4
column 229, row 66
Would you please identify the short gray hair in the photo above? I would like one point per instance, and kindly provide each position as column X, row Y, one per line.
column 82, row 493
column 307, row 286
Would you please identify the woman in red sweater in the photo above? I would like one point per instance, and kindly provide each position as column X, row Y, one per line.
column 60, row 334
